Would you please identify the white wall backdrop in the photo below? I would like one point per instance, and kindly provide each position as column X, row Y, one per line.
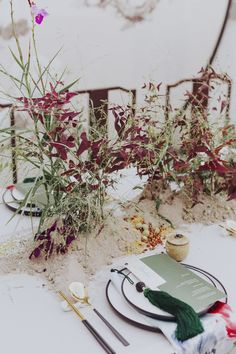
column 172, row 43
column 102, row 49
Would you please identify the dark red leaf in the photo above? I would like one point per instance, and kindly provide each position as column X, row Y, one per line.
column 70, row 239
column 202, row 70
column 61, row 150
column 180, row 165
column 36, row 252
column 214, row 166
column 84, row 145
column 232, row 196
column 70, row 187
column 67, row 115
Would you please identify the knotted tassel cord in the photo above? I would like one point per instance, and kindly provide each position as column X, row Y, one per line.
column 188, row 322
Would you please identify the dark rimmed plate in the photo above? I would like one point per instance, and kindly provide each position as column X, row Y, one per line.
column 14, row 206
column 129, row 314
column 19, row 197
column 141, row 304
column 126, row 312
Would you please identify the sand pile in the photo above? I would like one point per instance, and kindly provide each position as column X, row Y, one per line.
column 179, row 208
column 114, row 238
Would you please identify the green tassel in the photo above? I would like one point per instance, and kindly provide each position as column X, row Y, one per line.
column 188, row 322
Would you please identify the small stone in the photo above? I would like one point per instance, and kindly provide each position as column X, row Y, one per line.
column 144, row 238
column 146, row 233
column 145, row 226
column 77, row 290
column 64, row 306
column 139, row 225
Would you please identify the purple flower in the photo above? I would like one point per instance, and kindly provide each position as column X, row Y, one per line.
column 38, row 13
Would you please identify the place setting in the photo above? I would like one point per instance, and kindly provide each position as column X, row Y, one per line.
column 14, row 197
column 155, row 293
column 159, row 311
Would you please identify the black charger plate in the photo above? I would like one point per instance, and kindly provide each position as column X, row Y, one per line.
column 128, row 313
column 19, row 197
column 14, row 206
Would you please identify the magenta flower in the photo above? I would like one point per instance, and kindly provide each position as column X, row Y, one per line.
column 38, row 13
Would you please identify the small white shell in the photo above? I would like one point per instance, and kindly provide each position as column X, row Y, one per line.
column 77, row 290
column 66, row 308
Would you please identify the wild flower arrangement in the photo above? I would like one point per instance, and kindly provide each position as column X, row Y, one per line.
column 202, row 159
column 74, row 167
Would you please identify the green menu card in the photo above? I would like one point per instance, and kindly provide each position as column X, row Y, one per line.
column 183, row 283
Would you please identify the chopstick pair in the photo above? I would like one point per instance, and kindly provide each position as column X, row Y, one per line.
column 85, row 300
column 112, row 329
column 107, row 348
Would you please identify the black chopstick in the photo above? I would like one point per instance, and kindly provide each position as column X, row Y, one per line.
column 88, row 325
column 113, row 330
column 108, row 349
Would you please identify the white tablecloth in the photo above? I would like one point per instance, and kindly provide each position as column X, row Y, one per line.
column 33, row 322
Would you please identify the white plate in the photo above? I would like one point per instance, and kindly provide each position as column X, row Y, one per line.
column 139, row 301
column 143, row 305
column 17, row 195
column 12, row 204
column 127, row 312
